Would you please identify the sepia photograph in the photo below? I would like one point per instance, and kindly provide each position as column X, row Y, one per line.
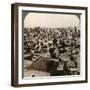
column 51, row 44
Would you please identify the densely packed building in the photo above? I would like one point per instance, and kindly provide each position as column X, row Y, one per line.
column 59, row 48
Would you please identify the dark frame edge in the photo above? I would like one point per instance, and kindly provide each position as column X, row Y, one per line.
column 86, row 51
column 14, row 45
column 50, row 5
column 50, row 83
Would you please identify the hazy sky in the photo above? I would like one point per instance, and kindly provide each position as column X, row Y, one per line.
column 50, row 20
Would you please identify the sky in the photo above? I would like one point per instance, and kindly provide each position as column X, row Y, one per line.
column 50, row 20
